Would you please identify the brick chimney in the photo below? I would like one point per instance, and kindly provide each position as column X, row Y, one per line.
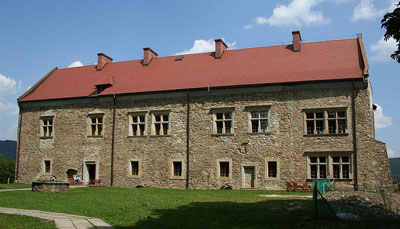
column 296, row 41
column 102, row 60
column 148, row 55
column 220, row 47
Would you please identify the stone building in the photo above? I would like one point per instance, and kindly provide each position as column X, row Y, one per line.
column 248, row 118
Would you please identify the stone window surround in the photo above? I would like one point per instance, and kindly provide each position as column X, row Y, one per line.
column 160, row 112
column 214, row 112
column 130, row 168
column 130, row 122
column 248, row 165
column 219, row 171
column 329, row 155
column 85, row 174
column 89, row 122
column 46, row 118
column 44, row 166
column 325, row 120
column 171, row 169
column 249, row 109
column 278, row 172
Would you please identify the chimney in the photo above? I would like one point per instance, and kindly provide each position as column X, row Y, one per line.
column 148, row 55
column 102, row 60
column 296, row 41
column 220, row 47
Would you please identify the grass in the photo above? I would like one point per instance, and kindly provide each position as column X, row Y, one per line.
column 17, row 221
column 15, row 186
column 149, row 208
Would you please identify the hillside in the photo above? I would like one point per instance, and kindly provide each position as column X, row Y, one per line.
column 395, row 168
column 8, row 148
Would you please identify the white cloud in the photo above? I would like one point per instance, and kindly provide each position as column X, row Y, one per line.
column 391, row 153
column 381, row 121
column 383, row 49
column 10, row 108
column 296, row 13
column 11, row 132
column 200, row 46
column 249, row 26
column 8, row 85
column 366, row 10
column 75, row 64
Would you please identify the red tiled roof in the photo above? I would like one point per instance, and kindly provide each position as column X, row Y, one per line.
column 328, row 60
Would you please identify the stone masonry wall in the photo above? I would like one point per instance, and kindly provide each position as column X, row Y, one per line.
column 285, row 142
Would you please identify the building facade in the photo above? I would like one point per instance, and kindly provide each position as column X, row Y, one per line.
column 204, row 121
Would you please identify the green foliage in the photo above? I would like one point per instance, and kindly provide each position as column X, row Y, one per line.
column 391, row 22
column 6, row 170
column 8, row 148
column 22, row 222
column 395, row 168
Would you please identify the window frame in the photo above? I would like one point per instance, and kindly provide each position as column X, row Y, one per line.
column 219, row 169
column 43, row 125
column 90, row 123
column 161, row 122
column 325, row 121
column 131, row 123
column 216, row 111
column 172, row 169
column 259, row 109
column 272, row 159
column 44, row 166
column 130, row 170
column 329, row 163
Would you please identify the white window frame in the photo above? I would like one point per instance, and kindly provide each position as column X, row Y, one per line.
column 219, row 169
column 161, row 122
column 44, row 123
column 90, row 124
column 259, row 109
column 278, row 176
column 329, row 163
column 137, row 114
column 223, row 120
column 325, row 120
column 172, row 171
column 130, row 170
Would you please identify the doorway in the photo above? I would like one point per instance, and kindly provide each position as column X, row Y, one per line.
column 90, row 171
column 249, row 177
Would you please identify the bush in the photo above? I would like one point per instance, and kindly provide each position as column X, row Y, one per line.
column 7, row 170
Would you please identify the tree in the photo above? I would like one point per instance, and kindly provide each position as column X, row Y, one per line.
column 6, row 170
column 391, row 22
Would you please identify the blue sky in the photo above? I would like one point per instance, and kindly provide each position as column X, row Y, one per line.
column 36, row 36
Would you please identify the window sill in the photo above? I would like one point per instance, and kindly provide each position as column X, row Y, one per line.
column 138, row 136
column 325, row 135
column 259, row 133
column 46, row 137
column 159, row 136
column 225, row 178
column 95, row 136
column 177, row 178
column 272, row 178
column 335, row 179
column 218, row 135
column 134, row 176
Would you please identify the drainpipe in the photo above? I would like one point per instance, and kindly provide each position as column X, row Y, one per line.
column 113, row 136
column 19, row 142
column 353, row 105
column 187, row 140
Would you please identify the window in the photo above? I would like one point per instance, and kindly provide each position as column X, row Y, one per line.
column 329, row 166
column 160, row 124
column 259, row 121
column 341, row 167
column 177, row 168
column 224, row 169
column 272, row 169
column 47, row 127
column 135, row 168
column 137, row 124
column 325, row 122
column 95, row 125
column 223, row 122
column 47, row 166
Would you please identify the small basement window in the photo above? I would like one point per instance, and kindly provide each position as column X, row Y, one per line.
column 177, row 168
column 224, row 169
column 47, row 166
column 135, row 168
column 272, row 169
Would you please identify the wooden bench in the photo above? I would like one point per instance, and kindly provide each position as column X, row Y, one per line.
column 95, row 183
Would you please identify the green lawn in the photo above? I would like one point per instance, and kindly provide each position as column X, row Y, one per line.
column 15, row 186
column 149, row 208
column 22, row 222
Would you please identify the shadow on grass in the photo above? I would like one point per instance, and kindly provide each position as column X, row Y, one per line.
column 263, row 214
